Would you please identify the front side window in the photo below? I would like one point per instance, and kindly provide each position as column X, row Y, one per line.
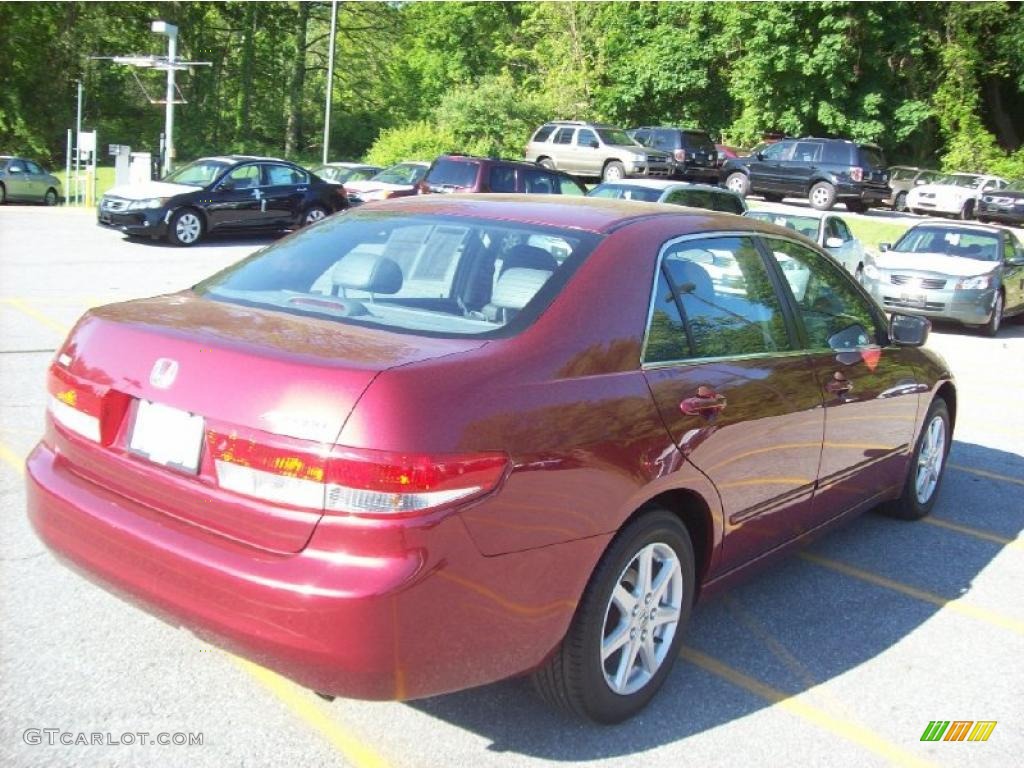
column 835, row 315
column 585, row 138
column 781, row 150
column 807, row 151
column 32, row 167
column 435, row 275
column 243, row 177
column 284, row 176
column 502, row 178
column 714, row 299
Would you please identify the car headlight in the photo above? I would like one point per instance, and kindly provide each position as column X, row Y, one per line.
column 974, row 283
column 638, row 158
column 153, row 202
column 871, row 271
column 1019, row 203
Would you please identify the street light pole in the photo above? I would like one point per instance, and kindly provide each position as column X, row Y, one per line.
column 78, row 134
column 330, row 81
column 165, row 28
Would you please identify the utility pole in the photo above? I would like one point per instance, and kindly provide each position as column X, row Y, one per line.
column 164, row 28
column 330, row 81
column 78, row 134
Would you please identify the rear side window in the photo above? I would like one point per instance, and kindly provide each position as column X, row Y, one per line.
column 283, row 176
column 564, row 135
column 871, row 157
column 453, row 173
column 502, row 178
column 540, row 182
column 697, row 140
column 807, row 151
column 543, row 132
column 714, row 299
column 435, row 275
column 837, row 153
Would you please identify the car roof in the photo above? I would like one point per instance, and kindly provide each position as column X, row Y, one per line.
column 242, row 159
column 808, row 214
column 684, row 129
column 959, row 225
column 344, row 164
column 590, row 214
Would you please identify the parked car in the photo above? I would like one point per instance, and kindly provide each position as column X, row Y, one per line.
column 220, row 194
column 827, row 230
column 956, row 194
column 825, row 171
column 464, row 173
column 970, row 273
column 449, row 462
column 673, row 192
column 22, row 180
column 1005, row 206
column 902, row 179
column 400, row 180
column 693, row 154
column 341, row 173
column 594, row 150
column 726, row 152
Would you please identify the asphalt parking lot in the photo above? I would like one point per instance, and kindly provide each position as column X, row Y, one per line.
column 840, row 656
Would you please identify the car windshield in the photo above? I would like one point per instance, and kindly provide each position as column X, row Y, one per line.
column 625, row 192
column 403, row 173
column 1015, row 186
column 616, row 136
column 805, row 225
column 199, row 173
column 962, row 180
column 428, row 274
column 950, row 241
column 329, row 173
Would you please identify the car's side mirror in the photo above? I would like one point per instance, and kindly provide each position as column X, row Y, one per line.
column 1016, row 261
column 834, row 242
column 15, row 169
column 883, row 247
column 919, row 182
column 909, row 330
column 759, row 155
column 593, row 144
column 226, row 186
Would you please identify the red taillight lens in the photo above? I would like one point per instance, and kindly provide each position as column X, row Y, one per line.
column 680, row 155
column 350, row 480
column 90, row 411
column 857, row 174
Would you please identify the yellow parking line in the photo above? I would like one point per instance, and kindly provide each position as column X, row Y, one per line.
column 35, row 314
column 956, row 604
column 352, row 749
column 10, row 457
column 792, row 704
column 986, row 473
column 975, row 532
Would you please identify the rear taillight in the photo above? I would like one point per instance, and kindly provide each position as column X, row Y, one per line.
column 680, row 155
column 74, row 405
column 351, row 480
column 857, row 174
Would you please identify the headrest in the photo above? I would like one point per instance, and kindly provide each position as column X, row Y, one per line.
column 528, row 257
column 517, row 286
column 692, row 278
column 368, row 272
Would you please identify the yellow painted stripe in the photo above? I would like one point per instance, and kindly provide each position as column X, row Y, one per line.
column 35, row 314
column 10, row 457
column 986, row 473
column 975, row 532
column 957, row 605
column 350, row 746
column 858, row 734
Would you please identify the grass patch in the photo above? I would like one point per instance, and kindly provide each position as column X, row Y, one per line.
column 104, row 180
column 871, row 232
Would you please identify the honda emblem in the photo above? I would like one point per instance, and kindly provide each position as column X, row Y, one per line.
column 164, row 372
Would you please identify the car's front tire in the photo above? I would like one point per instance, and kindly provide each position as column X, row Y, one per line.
column 900, row 203
column 613, row 171
column 995, row 320
column 739, row 183
column 629, row 624
column 185, row 228
column 546, row 163
column 50, row 198
column 967, row 212
column 924, row 472
column 313, row 214
column 822, row 196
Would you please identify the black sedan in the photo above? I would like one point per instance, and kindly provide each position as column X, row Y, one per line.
column 221, row 194
column 1005, row 206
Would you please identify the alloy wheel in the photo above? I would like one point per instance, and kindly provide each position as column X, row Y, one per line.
column 314, row 215
column 930, row 459
column 819, row 196
column 641, row 618
column 188, row 228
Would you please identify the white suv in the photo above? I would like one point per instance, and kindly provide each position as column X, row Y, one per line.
column 594, row 150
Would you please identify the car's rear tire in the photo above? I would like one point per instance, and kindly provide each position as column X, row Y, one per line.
column 3, row 194
column 995, row 321
column 313, row 214
column 629, row 624
column 967, row 212
column 50, row 198
column 822, row 196
column 856, row 206
column 546, row 162
column 613, row 171
column 900, row 203
column 925, row 470
column 185, row 228
column 739, row 183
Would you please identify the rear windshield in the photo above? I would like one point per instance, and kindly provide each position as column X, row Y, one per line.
column 626, row 192
column 432, row 275
column 453, row 174
column 707, row 199
column 805, row 225
column 697, row 140
column 872, row 157
column 950, row 241
column 403, row 173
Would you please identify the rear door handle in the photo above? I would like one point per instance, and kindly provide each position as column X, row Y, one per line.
column 707, row 403
column 838, row 384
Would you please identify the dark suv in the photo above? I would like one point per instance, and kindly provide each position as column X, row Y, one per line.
column 465, row 173
column 693, row 152
column 825, row 171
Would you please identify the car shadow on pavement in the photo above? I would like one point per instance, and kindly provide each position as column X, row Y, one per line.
column 792, row 627
column 1011, row 328
column 214, row 240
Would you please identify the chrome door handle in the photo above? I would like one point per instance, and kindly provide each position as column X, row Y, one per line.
column 838, row 384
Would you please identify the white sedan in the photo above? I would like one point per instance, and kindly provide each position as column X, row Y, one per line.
column 827, row 230
column 954, row 195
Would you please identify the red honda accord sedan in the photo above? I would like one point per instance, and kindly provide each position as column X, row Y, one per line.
column 437, row 442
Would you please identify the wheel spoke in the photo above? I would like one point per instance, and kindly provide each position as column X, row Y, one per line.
column 665, row 616
column 646, row 568
column 660, row 586
column 626, row 662
column 623, row 600
column 616, row 640
column 648, row 656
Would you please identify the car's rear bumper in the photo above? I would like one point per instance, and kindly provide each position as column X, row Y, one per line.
column 706, row 173
column 866, row 194
column 649, row 169
column 149, row 223
column 369, row 610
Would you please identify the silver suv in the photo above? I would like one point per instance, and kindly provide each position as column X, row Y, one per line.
column 594, row 150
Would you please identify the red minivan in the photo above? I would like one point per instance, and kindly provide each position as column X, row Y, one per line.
column 436, row 442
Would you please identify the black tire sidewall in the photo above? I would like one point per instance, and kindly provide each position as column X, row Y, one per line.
column 613, row 164
column 314, row 207
column 900, row 203
column 832, row 196
column 599, row 701
column 912, row 508
column 745, row 186
column 172, row 227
